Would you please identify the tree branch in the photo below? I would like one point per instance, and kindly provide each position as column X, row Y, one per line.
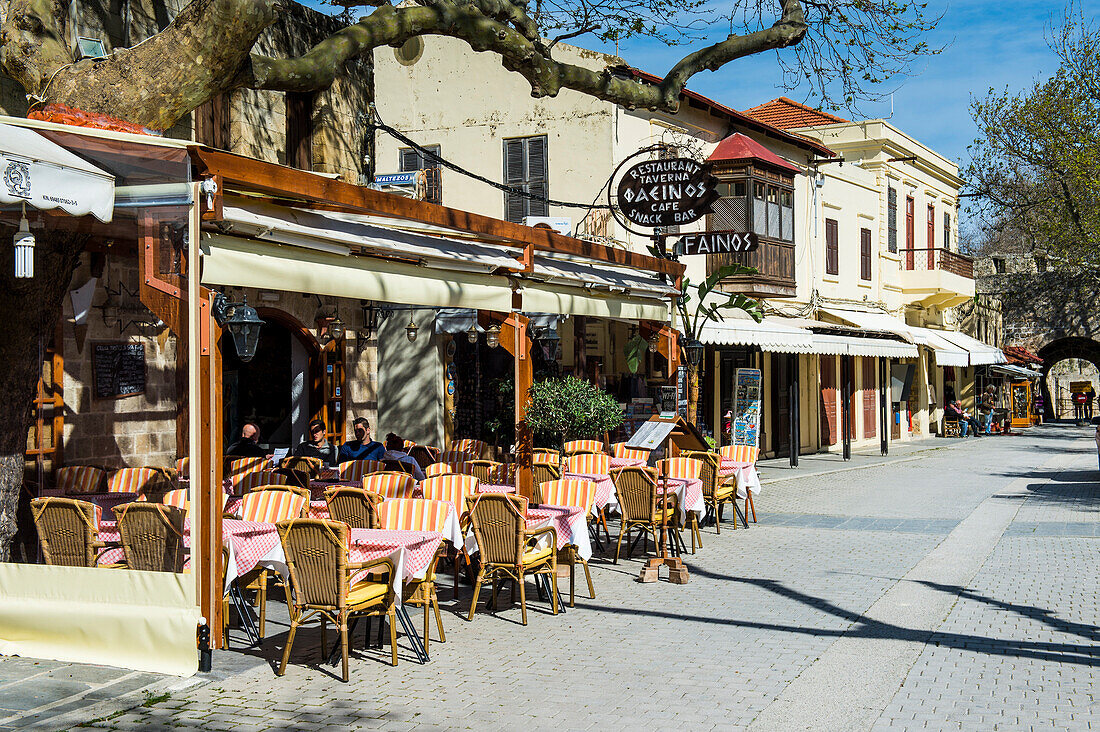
column 32, row 42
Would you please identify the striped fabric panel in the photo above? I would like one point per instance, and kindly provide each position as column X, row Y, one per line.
column 269, row 507
column 390, row 485
column 409, row 444
column 544, row 457
column 622, row 451
column 183, row 467
column 177, row 498
column 252, row 481
column 129, row 480
column 740, row 453
column 236, row 469
column 474, row 447
column 79, row 479
column 569, row 492
column 456, row 456
column 413, row 514
column 453, row 488
column 358, row 469
column 435, row 469
column 682, row 467
column 588, row 464
column 586, row 445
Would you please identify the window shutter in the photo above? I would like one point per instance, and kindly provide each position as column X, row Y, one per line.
column 513, row 162
column 946, row 230
column 536, row 159
column 537, row 206
column 892, row 219
column 410, row 160
column 865, row 254
column 832, row 253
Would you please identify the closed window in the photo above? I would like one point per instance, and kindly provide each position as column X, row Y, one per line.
column 865, row 254
column 299, row 130
column 946, row 230
column 832, row 250
column 526, row 168
column 413, row 159
column 786, row 219
column 892, row 219
column 931, row 226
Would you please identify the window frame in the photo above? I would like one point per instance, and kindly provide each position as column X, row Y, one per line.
column 865, row 254
column 525, row 205
column 433, row 178
column 832, row 247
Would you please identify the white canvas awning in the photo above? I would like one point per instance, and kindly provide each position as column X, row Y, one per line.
column 544, row 297
column 601, row 276
column 1018, row 372
column 855, row 346
column 737, row 328
column 981, row 354
column 42, row 174
column 876, row 321
column 946, row 352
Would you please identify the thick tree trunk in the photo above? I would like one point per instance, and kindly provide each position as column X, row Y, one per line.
column 693, row 393
column 29, row 310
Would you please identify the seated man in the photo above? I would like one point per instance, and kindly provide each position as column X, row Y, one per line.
column 395, row 450
column 362, row 447
column 316, row 445
column 249, row 444
column 954, row 410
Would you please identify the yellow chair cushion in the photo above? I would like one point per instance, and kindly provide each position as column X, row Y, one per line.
column 671, row 516
column 531, row 556
column 725, row 490
column 362, row 593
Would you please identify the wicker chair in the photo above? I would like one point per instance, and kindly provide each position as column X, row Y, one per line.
column 743, row 454
column 580, row 494
column 80, row 479
column 545, row 455
column 424, row 455
column 476, row 448
column 541, row 473
column 320, row 584
column 397, row 466
column 152, row 536
column 353, row 506
column 359, row 469
column 585, row 447
column 236, row 468
column 300, row 470
column 150, row 482
column 686, row 468
column 67, row 531
column 390, row 484
column 251, row 481
column 456, row 489
column 507, row 550
column 447, row 468
column 178, row 498
column 620, row 450
column 643, row 508
column 487, row 471
column 716, row 493
column 588, row 463
column 456, row 456
column 413, row 514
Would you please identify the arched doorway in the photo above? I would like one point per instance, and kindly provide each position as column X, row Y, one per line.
column 277, row 389
column 1057, row 351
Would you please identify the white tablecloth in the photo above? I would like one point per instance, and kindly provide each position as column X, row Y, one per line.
column 748, row 479
column 688, row 491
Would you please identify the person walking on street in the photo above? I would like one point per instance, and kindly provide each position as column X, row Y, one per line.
column 985, row 408
column 1089, row 396
column 1079, row 399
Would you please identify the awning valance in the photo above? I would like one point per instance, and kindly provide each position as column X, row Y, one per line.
column 42, row 174
column 737, row 328
column 543, row 297
column 1018, row 372
column 827, row 344
column 574, row 273
column 238, row 262
column 876, row 321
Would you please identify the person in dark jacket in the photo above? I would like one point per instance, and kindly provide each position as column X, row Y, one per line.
column 362, row 447
column 954, row 410
column 249, row 444
column 315, row 444
column 395, row 450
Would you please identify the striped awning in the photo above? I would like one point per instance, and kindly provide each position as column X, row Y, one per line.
column 737, row 328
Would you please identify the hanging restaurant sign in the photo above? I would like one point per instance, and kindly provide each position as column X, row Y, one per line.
column 717, row 242
column 666, row 192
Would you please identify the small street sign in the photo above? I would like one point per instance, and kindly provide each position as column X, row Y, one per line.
column 717, row 242
column 666, row 192
column 396, row 179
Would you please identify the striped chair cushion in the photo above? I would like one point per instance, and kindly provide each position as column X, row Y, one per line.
column 358, row 469
column 177, row 498
column 413, row 514
column 409, row 444
column 474, row 447
column 453, row 488
column 569, row 492
column 740, row 453
column 236, row 469
column 544, row 457
column 131, row 480
column 456, row 456
column 183, row 467
column 80, row 479
column 271, row 506
column 434, row 469
column 390, row 485
column 588, row 464
column 574, row 446
column 251, row 481
column 620, row 450
column 681, row 467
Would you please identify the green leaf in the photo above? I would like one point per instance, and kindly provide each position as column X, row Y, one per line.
column 635, row 350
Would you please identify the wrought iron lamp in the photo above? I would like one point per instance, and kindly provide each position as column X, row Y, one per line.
column 492, row 336
column 694, row 350
column 242, row 322
column 410, row 330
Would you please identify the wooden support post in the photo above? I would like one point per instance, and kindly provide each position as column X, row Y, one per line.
column 516, row 339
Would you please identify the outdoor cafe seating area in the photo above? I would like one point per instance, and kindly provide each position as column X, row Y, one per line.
column 366, row 539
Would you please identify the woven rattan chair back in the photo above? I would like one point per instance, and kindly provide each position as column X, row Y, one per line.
column 67, row 531
column 500, row 527
column 252, row 481
column 397, row 466
column 456, row 456
column 461, row 468
column 708, row 471
column 317, row 557
column 152, row 536
column 475, row 448
column 620, row 450
column 353, row 506
column 487, row 471
column 413, row 514
column 390, row 484
column 80, row 479
column 453, row 488
column 684, row 468
column 542, row 473
column 237, row 468
column 740, row 453
column 359, row 469
column 581, row 447
column 636, row 489
column 424, row 455
column 588, row 464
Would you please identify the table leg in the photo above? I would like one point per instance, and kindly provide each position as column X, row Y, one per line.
column 410, row 632
column 246, row 614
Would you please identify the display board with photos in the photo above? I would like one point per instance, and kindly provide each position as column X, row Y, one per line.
column 746, row 407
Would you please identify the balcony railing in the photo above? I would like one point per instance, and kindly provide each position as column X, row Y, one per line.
column 944, row 260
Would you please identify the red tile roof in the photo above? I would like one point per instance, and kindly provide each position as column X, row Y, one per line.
column 1019, row 355
column 787, row 114
column 744, row 119
column 742, row 147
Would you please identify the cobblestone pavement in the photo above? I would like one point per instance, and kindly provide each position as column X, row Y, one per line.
column 957, row 590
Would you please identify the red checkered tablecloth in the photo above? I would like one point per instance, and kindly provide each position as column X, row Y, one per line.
column 562, row 518
column 418, row 546
column 621, row 462
column 494, row 488
column 746, row 475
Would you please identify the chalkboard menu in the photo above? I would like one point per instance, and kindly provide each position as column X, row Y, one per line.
column 118, row 369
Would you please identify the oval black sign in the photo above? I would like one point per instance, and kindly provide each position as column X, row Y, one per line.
column 666, row 192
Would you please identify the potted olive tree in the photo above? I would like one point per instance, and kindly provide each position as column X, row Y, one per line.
column 571, row 409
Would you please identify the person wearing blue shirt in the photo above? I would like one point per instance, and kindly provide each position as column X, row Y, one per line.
column 362, row 447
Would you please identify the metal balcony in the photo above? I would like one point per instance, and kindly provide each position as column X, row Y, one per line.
column 935, row 277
